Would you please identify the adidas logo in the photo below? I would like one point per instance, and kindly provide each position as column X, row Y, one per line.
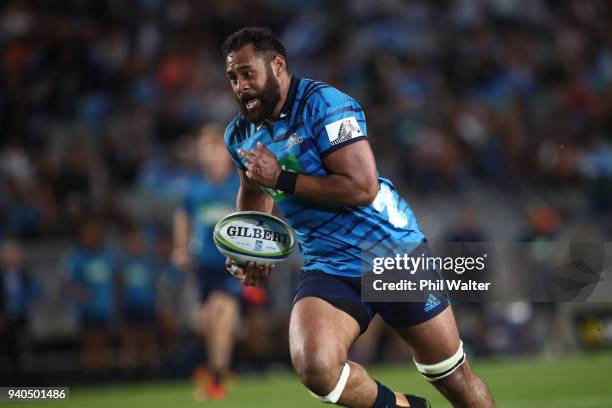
column 294, row 139
column 432, row 303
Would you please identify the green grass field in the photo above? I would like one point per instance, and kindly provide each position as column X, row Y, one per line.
column 579, row 381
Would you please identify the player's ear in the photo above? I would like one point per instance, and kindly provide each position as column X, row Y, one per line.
column 278, row 65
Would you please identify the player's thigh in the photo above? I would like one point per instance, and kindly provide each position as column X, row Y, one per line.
column 434, row 340
column 220, row 308
column 428, row 326
column 218, row 294
column 221, row 302
column 320, row 334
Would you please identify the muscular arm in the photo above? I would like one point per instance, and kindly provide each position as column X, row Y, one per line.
column 181, row 229
column 251, row 198
column 352, row 178
column 181, row 232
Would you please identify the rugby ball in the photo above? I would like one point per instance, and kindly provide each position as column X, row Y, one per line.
column 254, row 236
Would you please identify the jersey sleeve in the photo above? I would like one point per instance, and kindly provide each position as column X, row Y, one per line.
column 230, row 131
column 335, row 119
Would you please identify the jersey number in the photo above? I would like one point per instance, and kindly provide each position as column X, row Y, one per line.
column 385, row 199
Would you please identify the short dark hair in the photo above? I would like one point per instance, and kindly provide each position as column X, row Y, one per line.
column 262, row 38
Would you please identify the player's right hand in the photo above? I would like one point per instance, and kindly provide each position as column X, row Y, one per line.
column 251, row 274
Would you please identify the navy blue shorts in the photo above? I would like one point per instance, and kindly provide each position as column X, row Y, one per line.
column 345, row 294
column 217, row 281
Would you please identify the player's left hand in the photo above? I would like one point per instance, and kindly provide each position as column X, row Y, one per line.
column 262, row 165
column 251, row 274
column 256, row 273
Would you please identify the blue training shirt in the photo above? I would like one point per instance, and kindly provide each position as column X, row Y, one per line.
column 139, row 279
column 95, row 270
column 206, row 203
column 315, row 121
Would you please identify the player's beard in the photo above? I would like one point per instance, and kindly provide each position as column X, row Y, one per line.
column 268, row 97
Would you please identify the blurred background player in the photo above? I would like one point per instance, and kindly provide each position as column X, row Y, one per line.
column 211, row 195
column 91, row 281
column 170, row 285
column 16, row 295
column 138, row 274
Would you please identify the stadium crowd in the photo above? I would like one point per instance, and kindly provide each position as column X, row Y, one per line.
column 99, row 100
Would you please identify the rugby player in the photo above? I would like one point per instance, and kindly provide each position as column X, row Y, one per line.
column 209, row 198
column 303, row 145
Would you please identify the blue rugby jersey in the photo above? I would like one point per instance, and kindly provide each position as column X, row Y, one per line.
column 139, row 276
column 315, row 121
column 206, row 204
column 95, row 270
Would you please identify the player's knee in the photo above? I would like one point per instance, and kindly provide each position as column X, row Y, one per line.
column 317, row 370
column 222, row 306
column 228, row 309
column 444, row 369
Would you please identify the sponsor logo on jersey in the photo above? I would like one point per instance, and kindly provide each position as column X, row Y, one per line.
column 343, row 130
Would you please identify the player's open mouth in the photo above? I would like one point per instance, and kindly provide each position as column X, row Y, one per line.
column 252, row 103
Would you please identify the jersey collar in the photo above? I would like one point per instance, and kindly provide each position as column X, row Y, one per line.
column 286, row 109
